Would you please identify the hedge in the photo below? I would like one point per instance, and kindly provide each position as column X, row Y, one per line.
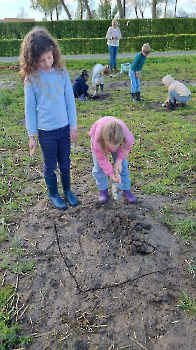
column 77, row 46
column 98, row 28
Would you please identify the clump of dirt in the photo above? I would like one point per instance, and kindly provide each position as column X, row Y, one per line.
column 105, row 275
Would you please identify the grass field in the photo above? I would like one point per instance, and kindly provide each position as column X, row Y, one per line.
column 162, row 160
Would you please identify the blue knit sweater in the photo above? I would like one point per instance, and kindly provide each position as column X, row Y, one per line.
column 138, row 62
column 49, row 102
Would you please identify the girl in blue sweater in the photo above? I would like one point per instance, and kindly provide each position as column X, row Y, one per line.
column 49, row 109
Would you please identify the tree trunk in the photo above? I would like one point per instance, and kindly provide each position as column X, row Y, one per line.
column 175, row 9
column 66, row 9
column 57, row 14
column 165, row 8
column 154, row 4
column 120, row 9
column 136, row 15
column 88, row 9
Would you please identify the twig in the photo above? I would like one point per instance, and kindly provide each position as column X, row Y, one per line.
column 23, row 312
column 40, row 335
column 136, row 343
column 3, row 281
column 65, row 337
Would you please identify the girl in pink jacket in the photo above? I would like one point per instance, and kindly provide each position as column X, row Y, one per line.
column 110, row 135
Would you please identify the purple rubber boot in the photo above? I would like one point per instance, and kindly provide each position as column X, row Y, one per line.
column 130, row 197
column 103, row 196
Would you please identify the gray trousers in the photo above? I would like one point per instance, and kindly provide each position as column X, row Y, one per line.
column 174, row 95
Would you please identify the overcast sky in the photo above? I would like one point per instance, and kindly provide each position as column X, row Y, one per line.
column 11, row 9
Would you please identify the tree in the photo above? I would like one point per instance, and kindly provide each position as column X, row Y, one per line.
column 104, row 9
column 66, row 9
column 120, row 9
column 22, row 14
column 139, row 6
column 49, row 6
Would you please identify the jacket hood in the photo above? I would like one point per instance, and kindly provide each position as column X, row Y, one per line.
column 79, row 78
column 167, row 80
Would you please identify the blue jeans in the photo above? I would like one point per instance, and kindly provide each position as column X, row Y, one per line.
column 113, row 50
column 174, row 95
column 135, row 83
column 55, row 145
column 102, row 179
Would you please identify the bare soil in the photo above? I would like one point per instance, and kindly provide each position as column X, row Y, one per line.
column 106, row 276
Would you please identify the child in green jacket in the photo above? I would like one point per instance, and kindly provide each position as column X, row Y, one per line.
column 135, row 70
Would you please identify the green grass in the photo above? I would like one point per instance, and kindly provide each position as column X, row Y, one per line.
column 10, row 336
column 162, row 160
column 187, row 303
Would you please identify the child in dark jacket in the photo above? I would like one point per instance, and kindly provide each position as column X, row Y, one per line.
column 135, row 70
column 80, row 87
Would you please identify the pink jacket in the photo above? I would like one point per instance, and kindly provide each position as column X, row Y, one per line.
column 94, row 133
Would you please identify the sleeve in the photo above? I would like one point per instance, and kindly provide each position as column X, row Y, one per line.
column 70, row 103
column 30, row 108
column 109, row 33
column 136, row 63
column 96, row 74
column 104, row 162
column 119, row 34
column 130, row 141
column 83, row 88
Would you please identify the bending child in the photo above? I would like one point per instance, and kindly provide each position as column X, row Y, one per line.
column 110, row 135
column 49, row 109
column 176, row 92
column 98, row 77
column 134, row 73
column 80, row 87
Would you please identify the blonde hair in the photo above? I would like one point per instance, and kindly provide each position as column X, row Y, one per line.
column 105, row 70
column 37, row 42
column 114, row 21
column 112, row 133
column 146, row 48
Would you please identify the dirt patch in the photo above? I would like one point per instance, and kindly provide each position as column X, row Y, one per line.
column 105, row 275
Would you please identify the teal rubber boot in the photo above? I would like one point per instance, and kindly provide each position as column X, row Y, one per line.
column 53, row 195
column 65, row 179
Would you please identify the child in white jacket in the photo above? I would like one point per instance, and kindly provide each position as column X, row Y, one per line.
column 98, row 77
column 176, row 92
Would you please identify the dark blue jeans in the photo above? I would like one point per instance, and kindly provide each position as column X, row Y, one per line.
column 113, row 50
column 55, row 145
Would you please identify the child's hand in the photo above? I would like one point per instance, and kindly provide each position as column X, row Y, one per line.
column 73, row 135
column 137, row 74
column 94, row 85
column 32, row 143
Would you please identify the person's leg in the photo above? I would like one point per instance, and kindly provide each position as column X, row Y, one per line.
column 173, row 95
column 63, row 157
column 99, row 175
column 110, row 48
column 49, row 145
column 137, row 82
column 133, row 81
column 125, row 180
column 115, row 56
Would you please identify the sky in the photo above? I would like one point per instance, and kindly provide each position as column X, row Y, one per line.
column 12, row 8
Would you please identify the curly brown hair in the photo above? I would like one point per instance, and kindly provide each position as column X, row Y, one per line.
column 113, row 134
column 37, row 42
